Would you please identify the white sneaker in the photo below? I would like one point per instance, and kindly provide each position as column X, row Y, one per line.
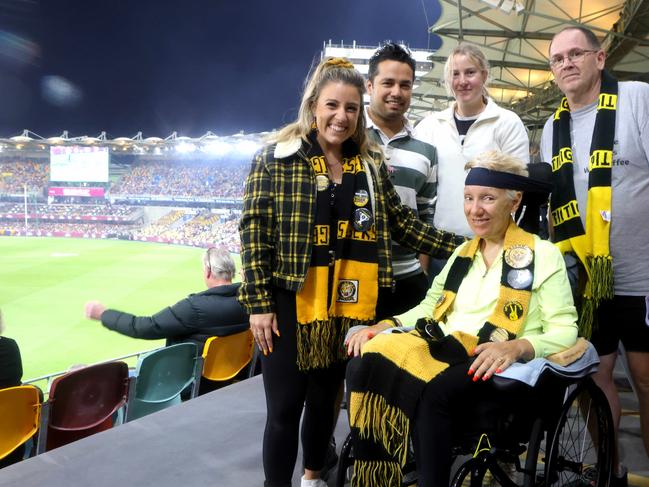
column 312, row 483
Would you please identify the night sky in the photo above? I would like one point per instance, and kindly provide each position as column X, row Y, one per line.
column 190, row 66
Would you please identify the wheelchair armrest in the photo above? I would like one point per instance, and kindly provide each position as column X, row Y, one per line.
column 505, row 384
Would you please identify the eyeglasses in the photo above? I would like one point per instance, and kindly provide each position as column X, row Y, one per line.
column 574, row 56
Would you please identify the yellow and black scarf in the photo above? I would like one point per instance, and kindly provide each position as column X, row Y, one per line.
column 592, row 244
column 341, row 284
column 395, row 368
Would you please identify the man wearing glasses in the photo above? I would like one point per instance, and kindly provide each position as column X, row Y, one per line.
column 598, row 144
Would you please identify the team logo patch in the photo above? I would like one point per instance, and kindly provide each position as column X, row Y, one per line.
column 321, row 182
column 362, row 220
column 347, row 291
column 513, row 310
column 440, row 300
column 361, row 197
column 519, row 278
column 518, row 256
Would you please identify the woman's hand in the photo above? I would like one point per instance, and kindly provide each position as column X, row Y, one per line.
column 263, row 326
column 355, row 342
column 495, row 357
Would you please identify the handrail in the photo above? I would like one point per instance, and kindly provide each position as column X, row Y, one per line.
column 53, row 375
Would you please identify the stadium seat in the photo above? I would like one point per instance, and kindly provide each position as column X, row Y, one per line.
column 83, row 402
column 20, row 414
column 224, row 357
column 159, row 379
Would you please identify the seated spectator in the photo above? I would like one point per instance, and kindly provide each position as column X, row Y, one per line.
column 502, row 297
column 11, row 366
column 214, row 312
column 11, row 372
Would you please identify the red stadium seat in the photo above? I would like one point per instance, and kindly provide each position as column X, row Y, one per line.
column 83, row 402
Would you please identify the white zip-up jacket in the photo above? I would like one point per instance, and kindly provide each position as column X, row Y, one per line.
column 496, row 128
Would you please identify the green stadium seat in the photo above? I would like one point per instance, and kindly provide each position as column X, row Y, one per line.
column 160, row 377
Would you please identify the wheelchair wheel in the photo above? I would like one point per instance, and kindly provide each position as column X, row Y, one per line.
column 532, row 474
column 345, row 468
column 470, row 473
column 581, row 450
column 345, row 463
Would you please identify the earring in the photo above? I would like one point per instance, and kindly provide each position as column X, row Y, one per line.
column 314, row 125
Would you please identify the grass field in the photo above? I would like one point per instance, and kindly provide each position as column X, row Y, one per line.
column 44, row 283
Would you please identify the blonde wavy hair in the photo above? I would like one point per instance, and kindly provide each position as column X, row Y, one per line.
column 476, row 56
column 328, row 70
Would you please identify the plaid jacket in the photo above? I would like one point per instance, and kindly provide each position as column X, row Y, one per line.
column 278, row 217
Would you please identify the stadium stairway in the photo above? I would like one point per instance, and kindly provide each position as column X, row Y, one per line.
column 214, row 440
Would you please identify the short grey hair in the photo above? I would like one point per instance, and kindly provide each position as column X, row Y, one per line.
column 220, row 263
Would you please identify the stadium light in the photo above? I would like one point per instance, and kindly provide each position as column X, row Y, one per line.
column 247, row 147
column 217, row 148
column 185, row 148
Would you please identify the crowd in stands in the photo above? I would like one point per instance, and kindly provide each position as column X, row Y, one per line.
column 71, row 211
column 201, row 229
column 184, row 179
column 99, row 230
column 199, row 179
column 15, row 175
column 195, row 179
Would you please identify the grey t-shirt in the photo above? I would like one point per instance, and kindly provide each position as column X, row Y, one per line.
column 629, row 237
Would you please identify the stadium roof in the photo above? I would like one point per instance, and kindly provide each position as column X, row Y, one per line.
column 515, row 36
column 207, row 144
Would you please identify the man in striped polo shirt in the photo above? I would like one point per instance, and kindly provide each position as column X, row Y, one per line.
column 412, row 165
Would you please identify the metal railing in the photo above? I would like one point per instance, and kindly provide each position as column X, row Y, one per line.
column 44, row 382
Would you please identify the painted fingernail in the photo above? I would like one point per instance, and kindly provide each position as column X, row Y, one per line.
column 485, row 377
column 270, row 349
column 277, row 333
column 470, row 372
column 498, row 371
column 265, row 353
column 475, row 378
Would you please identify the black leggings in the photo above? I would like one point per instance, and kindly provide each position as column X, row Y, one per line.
column 288, row 391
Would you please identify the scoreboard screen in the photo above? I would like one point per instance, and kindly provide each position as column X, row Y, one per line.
column 79, row 164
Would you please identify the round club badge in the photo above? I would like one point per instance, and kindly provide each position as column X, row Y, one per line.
column 362, row 219
column 321, row 182
column 513, row 310
column 498, row 335
column 519, row 278
column 440, row 300
column 519, row 256
column 361, row 197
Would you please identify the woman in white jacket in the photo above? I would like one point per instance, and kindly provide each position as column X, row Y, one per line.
column 472, row 125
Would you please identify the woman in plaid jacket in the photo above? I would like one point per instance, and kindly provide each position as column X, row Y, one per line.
column 319, row 209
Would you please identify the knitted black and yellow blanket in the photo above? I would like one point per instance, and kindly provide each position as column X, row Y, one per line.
column 395, row 368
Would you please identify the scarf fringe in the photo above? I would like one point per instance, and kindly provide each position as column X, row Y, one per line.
column 601, row 277
column 586, row 316
column 321, row 343
column 376, row 474
column 378, row 420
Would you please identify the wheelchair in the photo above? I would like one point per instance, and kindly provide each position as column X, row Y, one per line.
column 557, row 433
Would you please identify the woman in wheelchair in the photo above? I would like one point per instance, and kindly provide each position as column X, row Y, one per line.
column 503, row 297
